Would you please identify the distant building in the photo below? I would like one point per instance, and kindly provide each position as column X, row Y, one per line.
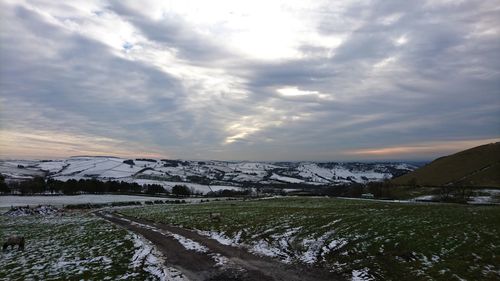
column 367, row 196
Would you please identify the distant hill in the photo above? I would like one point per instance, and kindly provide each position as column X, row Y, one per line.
column 205, row 175
column 478, row 166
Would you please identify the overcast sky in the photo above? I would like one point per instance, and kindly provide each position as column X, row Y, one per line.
column 248, row 80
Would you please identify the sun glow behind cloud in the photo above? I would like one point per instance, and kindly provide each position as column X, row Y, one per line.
column 267, row 30
column 295, row 92
column 422, row 149
column 58, row 145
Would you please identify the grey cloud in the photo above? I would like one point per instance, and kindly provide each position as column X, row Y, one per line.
column 83, row 86
column 174, row 32
column 443, row 84
column 429, row 82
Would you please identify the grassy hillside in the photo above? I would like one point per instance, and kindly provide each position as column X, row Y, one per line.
column 478, row 166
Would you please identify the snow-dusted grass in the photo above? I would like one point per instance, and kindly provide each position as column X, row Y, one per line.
column 76, row 247
column 360, row 239
column 7, row 201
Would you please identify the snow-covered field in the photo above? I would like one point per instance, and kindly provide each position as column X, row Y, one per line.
column 8, row 201
column 196, row 188
column 485, row 196
column 221, row 174
column 78, row 247
column 477, row 197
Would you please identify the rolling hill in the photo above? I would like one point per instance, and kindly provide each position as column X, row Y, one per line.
column 204, row 175
column 478, row 166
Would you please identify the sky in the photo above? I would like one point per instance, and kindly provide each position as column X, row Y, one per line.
column 248, row 80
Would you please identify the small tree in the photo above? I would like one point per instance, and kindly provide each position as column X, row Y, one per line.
column 181, row 190
column 154, row 188
column 35, row 185
column 445, row 193
column 3, row 186
column 355, row 190
column 130, row 162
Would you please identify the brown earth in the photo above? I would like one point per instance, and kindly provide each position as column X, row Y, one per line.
column 241, row 265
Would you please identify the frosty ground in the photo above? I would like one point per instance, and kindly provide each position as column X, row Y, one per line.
column 362, row 240
column 78, row 246
column 8, row 201
column 351, row 239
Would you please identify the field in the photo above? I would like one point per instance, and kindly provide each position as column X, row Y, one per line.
column 77, row 246
column 60, row 200
column 362, row 240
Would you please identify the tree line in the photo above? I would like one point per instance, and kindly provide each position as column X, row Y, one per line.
column 39, row 185
column 381, row 190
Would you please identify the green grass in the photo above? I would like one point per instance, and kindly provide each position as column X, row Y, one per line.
column 390, row 241
column 73, row 247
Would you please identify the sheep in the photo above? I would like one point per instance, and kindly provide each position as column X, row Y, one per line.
column 13, row 241
column 215, row 216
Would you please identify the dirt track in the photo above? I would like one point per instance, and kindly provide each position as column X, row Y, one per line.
column 239, row 265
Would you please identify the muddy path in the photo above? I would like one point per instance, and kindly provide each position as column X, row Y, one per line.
column 201, row 258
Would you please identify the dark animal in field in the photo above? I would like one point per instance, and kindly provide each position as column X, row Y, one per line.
column 13, row 241
column 215, row 217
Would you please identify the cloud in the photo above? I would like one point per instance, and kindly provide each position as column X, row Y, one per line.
column 266, row 81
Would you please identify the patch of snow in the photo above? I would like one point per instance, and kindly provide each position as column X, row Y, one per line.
column 361, row 275
column 42, row 210
column 51, row 166
column 152, row 261
column 425, row 198
column 219, row 259
column 285, row 179
column 218, row 236
column 334, row 245
column 314, row 246
column 189, row 244
column 185, row 242
column 264, row 248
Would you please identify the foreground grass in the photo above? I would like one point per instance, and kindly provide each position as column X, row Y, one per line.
column 372, row 240
column 73, row 247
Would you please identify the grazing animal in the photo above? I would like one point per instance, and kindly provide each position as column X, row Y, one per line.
column 215, row 216
column 13, row 241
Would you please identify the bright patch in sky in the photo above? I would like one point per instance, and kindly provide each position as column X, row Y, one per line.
column 401, row 40
column 295, row 92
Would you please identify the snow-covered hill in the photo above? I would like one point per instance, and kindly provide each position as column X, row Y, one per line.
column 201, row 174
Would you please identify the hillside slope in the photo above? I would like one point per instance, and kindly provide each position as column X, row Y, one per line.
column 478, row 166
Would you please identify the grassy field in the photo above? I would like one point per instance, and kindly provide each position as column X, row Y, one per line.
column 76, row 246
column 364, row 239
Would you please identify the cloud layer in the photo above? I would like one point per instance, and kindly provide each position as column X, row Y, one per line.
column 266, row 80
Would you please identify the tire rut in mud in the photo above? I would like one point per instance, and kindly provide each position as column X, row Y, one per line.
column 240, row 266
